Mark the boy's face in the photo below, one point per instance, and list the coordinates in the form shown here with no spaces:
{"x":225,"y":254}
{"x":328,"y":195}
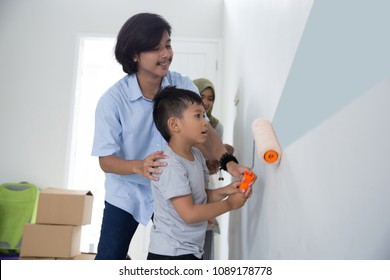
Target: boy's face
{"x":155,"y":63}
{"x":193,"y":125}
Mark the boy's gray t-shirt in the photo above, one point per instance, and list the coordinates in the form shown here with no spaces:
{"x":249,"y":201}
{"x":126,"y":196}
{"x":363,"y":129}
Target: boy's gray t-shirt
{"x":170,"y":235}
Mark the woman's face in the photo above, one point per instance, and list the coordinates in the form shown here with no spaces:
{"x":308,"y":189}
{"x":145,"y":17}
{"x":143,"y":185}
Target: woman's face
{"x":208,"y":99}
{"x":155,"y":63}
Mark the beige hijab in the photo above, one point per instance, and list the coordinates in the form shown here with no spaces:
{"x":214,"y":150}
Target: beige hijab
{"x":203,"y":84}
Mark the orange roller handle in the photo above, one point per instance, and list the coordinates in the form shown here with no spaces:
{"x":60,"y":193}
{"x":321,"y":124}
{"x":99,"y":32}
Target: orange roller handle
{"x":249,"y":176}
{"x":271,"y":156}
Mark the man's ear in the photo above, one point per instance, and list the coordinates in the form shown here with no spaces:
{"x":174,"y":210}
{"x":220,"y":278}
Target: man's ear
{"x":173,"y":124}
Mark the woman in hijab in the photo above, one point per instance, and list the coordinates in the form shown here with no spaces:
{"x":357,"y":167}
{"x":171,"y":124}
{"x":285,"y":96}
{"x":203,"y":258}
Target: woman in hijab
{"x":207,"y":91}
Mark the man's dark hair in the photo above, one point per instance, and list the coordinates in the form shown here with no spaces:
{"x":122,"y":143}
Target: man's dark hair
{"x":142,"y":32}
{"x":171,"y":102}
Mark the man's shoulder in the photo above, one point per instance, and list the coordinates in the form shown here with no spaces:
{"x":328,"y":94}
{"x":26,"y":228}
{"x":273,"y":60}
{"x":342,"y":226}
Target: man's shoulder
{"x":116,"y":89}
{"x":177,"y":76}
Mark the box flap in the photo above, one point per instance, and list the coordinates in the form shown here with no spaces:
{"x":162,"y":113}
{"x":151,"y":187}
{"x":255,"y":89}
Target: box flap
{"x":51,"y":190}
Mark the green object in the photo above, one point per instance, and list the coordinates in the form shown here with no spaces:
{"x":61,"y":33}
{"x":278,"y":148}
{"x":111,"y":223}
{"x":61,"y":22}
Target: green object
{"x":18,"y":206}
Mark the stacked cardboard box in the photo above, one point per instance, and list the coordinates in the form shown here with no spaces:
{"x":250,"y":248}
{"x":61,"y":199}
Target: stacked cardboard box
{"x":80,"y":257}
{"x":57,"y":232}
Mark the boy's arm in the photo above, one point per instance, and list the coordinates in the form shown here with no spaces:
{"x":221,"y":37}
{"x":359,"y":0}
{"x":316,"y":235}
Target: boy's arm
{"x":218,"y":194}
{"x":195,"y":213}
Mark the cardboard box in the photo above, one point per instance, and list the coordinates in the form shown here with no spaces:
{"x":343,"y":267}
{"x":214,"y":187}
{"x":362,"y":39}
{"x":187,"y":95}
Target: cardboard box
{"x":64,"y":207}
{"x":81,"y":257}
{"x":60,"y":241}
{"x":37,"y":258}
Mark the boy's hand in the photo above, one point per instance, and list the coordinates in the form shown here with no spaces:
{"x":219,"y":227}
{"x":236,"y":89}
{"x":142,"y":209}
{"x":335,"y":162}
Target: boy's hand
{"x":238,"y":170}
{"x":232,"y":188}
{"x":236,"y":200}
{"x":235,"y":188}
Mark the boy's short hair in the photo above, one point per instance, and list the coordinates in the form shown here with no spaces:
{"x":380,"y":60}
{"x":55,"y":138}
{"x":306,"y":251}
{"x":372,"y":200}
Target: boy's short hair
{"x":171,"y":102}
{"x":142,"y":32}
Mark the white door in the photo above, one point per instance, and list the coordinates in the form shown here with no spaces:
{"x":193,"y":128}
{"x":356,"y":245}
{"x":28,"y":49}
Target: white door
{"x":199,"y":58}
{"x":97,"y":70}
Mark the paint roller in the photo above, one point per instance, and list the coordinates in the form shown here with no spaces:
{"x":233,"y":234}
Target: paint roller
{"x":265,"y":141}
{"x":267,"y":145}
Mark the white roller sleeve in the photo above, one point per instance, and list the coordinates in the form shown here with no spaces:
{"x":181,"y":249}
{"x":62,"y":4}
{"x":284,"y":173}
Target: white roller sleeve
{"x":267,"y":145}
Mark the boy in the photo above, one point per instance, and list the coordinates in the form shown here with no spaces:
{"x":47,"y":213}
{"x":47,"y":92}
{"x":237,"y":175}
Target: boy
{"x":182,"y":203}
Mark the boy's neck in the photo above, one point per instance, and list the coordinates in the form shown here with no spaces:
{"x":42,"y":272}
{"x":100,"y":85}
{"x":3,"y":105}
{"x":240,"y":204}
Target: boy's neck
{"x":182,"y":149}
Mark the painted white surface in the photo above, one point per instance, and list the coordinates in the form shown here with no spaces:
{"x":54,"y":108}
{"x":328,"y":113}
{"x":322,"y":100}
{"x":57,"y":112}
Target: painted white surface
{"x":330,"y":195}
{"x":329,"y":198}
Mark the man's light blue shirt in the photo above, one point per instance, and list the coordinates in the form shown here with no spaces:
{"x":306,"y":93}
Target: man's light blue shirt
{"x":124,"y":127}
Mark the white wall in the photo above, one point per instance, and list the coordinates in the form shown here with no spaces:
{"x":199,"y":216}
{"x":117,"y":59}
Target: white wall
{"x":320,"y":73}
{"x":38,"y":54}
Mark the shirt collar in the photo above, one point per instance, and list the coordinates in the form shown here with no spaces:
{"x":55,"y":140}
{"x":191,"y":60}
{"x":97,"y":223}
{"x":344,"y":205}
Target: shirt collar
{"x":134,"y":90}
{"x":165,"y":82}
